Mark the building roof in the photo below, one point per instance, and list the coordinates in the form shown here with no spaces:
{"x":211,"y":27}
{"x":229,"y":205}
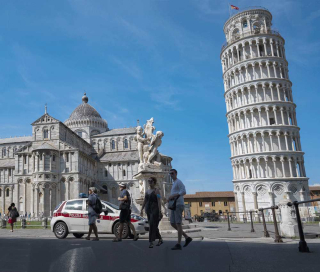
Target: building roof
{"x":85,"y":112}
{"x":16,"y":140}
{"x":7,"y":163}
{"x":210,"y":194}
{"x":314,"y":188}
{"x":120,"y":156}
{"x":117,"y":131}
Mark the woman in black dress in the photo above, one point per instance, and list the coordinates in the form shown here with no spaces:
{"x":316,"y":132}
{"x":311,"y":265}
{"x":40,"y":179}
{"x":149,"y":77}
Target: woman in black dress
{"x":152,"y":204}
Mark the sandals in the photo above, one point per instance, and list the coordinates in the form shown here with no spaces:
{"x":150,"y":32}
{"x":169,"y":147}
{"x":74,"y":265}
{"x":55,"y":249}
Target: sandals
{"x":136,"y":238}
{"x":151,"y":245}
{"x":160,"y":242}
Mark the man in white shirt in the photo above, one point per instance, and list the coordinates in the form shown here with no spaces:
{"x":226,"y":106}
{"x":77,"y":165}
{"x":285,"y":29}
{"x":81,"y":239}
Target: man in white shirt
{"x":178,"y":190}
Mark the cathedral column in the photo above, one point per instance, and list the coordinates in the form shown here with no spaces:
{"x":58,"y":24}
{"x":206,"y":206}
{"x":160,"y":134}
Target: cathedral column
{"x":50,"y":201}
{"x":237,"y":204}
{"x":243,"y":204}
{"x":271,"y":44}
{"x":255,"y":199}
{"x":32,"y":200}
{"x":36,"y":192}
{"x":3,"y":200}
{"x":25,"y":197}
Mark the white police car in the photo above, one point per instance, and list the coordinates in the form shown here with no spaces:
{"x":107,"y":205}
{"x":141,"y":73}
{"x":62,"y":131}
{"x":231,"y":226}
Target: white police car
{"x":71,"y":216}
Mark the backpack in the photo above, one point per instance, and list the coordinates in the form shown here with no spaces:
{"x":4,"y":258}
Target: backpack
{"x":98,"y":206}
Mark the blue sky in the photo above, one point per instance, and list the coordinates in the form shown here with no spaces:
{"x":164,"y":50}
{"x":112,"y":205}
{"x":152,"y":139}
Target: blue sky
{"x":149,"y":58}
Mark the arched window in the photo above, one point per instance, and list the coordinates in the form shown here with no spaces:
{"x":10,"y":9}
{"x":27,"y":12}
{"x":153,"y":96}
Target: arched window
{"x":7,"y":192}
{"x":244,"y":24}
{"x":126,"y":143}
{"x":45,"y":134}
{"x":124,"y":173}
{"x":4,"y":152}
{"x":113,"y":144}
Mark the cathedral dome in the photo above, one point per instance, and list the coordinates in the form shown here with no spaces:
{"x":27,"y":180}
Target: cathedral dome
{"x":86,"y":116}
{"x":84,"y":111}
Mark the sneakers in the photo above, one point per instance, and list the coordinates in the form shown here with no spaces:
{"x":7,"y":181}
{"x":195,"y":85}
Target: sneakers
{"x":188,"y":241}
{"x":87,"y":238}
{"x":176,"y":247}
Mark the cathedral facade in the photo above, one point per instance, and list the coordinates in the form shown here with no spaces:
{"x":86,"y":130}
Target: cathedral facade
{"x":61,"y":160}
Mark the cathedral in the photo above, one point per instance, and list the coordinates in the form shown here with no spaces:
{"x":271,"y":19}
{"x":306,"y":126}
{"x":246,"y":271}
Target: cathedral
{"x":61,"y":160}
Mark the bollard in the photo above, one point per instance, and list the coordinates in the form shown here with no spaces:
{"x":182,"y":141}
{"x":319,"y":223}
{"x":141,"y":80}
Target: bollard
{"x":303,"y":247}
{"x":266,"y":233}
{"x":44,"y":222}
{"x":252,"y":229}
{"x":3,"y":224}
{"x":276,"y":231}
{"x":23,"y":223}
{"x":229,"y":229}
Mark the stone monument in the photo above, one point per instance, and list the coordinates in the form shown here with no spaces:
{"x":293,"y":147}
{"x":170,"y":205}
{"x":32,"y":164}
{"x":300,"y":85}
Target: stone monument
{"x":150,"y":164}
{"x":288,"y":224}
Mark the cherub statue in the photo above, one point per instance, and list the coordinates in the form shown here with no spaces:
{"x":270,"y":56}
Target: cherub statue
{"x":149,"y":129}
{"x":154,"y":145}
{"x":141,"y":142}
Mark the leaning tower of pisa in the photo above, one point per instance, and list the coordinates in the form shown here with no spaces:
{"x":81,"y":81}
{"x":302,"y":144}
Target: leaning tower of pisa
{"x":266,"y":155}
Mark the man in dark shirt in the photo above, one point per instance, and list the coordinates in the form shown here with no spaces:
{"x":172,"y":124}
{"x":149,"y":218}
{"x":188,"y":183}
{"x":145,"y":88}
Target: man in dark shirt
{"x":125,"y":213}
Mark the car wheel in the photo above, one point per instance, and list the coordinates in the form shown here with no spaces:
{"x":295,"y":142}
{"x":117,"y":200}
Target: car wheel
{"x":60,"y":230}
{"x":125,"y":231}
{"x":78,"y":235}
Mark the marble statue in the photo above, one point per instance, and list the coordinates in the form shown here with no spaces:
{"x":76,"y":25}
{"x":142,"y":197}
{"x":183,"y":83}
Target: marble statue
{"x":155,"y":143}
{"x":148,"y":145}
{"x":141,"y":141}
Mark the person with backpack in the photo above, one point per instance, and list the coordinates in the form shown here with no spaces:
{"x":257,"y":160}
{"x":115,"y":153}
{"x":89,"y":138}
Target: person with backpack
{"x":93,"y":212}
{"x":125,"y":213}
{"x":12,"y":214}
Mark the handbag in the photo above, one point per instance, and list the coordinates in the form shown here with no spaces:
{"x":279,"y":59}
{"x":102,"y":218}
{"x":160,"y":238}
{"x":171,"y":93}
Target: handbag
{"x":173,"y":204}
{"x":124,"y":206}
{"x":9,"y":220}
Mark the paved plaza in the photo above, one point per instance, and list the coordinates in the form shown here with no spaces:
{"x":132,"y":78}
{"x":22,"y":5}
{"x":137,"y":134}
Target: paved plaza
{"x":213,"y":249}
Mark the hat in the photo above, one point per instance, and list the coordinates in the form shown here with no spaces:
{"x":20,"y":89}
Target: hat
{"x":122,"y":185}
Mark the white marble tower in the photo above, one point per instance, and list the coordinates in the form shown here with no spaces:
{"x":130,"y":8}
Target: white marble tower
{"x":266,"y":155}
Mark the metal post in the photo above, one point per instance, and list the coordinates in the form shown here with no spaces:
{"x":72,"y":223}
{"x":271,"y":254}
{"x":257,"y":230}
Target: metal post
{"x":265,"y":232}
{"x":252,"y":229}
{"x":276,"y":231}
{"x":303,"y":247}
{"x":229,"y":229}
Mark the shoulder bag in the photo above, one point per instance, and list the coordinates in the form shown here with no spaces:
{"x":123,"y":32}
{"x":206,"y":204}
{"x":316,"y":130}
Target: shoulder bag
{"x":173,"y":204}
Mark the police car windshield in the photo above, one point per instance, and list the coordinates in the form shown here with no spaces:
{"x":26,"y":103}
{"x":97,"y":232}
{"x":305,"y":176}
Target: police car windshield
{"x":112,"y":205}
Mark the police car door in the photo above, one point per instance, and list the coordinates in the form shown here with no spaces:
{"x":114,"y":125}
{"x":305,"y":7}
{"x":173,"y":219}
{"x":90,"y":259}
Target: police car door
{"x":74,"y":213}
{"x":105,"y":224}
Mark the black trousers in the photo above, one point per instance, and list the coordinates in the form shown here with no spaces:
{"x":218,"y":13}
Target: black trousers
{"x":154,"y":233}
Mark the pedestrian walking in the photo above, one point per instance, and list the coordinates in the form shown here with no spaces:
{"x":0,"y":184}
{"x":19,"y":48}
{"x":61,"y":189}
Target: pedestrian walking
{"x":176,"y":201}
{"x":92,"y":215}
{"x":152,"y":205}
{"x":12,"y":214}
{"x":125,"y":213}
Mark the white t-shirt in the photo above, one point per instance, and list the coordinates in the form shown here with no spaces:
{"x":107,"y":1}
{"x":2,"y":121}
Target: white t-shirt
{"x":178,"y":188}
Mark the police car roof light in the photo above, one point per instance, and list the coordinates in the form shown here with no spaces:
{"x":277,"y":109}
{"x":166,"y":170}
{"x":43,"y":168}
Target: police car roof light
{"x":83,"y":195}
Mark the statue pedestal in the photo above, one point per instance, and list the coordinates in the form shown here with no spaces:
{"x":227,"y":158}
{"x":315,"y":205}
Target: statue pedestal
{"x":157,"y":172}
{"x":288,"y":224}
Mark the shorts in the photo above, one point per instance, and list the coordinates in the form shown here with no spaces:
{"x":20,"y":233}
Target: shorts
{"x":92,"y":219}
{"x":125,"y":216}
{"x":176,"y":215}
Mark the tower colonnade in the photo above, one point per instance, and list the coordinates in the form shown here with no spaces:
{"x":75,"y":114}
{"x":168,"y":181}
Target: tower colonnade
{"x":266,"y":153}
